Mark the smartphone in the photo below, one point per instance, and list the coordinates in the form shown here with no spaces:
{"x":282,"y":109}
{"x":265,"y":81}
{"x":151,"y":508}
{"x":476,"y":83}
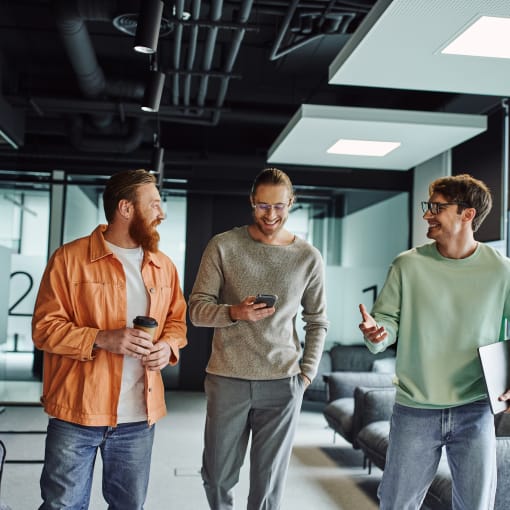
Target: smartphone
{"x":268,"y":299}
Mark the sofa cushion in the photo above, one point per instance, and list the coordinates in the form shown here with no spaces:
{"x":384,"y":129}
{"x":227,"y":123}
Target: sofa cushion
{"x":343,"y":384}
{"x":373,"y":441}
{"x":371,"y":404}
{"x":318,"y":389}
{"x":384,"y":366}
{"x":502,"y":424}
{"x":338,"y":414}
{"x":355,"y":358}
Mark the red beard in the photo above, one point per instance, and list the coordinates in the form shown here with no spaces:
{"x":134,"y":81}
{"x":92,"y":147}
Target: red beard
{"x":145,"y":234}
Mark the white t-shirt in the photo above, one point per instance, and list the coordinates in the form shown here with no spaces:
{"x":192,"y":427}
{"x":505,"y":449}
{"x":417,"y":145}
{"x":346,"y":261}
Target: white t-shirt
{"x":131,"y":407}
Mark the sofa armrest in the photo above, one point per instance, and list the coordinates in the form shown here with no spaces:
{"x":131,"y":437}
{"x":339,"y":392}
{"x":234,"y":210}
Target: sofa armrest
{"x":371,"y":405}
{"x":502,"y":424}
{"x":343,"y":384}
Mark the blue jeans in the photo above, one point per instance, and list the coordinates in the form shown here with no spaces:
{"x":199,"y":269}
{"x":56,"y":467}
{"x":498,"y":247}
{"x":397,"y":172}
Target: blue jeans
{"x":417,"y":437}
{"x":69,"y":460}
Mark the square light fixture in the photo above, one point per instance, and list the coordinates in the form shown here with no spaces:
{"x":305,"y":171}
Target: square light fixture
{"x":398,"y":45}
{"x":362,"y":147}
{"x":402,"y":138}
{"x":488,"y":36}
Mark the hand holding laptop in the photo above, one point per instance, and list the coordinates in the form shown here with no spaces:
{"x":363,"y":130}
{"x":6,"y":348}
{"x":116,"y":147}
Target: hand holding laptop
{"x":505,"y":397}
{"x":495,"y":363}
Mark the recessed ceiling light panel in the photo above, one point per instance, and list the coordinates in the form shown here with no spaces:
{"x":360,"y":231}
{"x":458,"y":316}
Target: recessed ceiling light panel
{"x":362,"y":147}
{"x":399,"y":44}
{"x":488,"y":36}
{"x":350,"y":137}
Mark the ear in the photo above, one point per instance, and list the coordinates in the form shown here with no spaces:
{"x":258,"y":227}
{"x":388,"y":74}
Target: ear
{"x":469,"y":214}
{"x":125,"y":208}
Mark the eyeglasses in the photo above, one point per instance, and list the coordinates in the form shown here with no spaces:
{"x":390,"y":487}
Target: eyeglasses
{"x":262,"y":207}
{"x":436,"y":207}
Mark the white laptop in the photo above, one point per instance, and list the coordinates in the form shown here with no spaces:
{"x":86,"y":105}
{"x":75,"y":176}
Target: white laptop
{"x":496,"y":372}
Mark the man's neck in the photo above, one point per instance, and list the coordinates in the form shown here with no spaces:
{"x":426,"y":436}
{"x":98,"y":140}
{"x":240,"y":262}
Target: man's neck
{"x":280,"y":238}
{"x":460,"y":249}
{"x":119,"y":237}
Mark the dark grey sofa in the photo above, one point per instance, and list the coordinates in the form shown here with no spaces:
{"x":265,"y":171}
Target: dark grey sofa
{"x":349,"y":410}
{"x":341,"y":358}
{"x":372,"y":407}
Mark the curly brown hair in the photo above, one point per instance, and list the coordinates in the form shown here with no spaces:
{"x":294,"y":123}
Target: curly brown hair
{"x":469,"y":191}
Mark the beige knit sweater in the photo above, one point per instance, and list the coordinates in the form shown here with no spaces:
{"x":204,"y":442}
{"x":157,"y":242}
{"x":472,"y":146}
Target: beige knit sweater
{"x":234,"y":266}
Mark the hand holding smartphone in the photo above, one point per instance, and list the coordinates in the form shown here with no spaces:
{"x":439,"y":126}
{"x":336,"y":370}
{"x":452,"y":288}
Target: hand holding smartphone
{"x":268,"y":299}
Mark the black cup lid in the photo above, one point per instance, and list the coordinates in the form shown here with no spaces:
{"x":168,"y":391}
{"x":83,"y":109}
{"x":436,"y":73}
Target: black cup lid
{"x":142,"y":320}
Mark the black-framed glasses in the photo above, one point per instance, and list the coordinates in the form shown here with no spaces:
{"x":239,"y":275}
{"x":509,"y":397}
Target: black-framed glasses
{"x":436,"y":207}
{"x":263,"y":207}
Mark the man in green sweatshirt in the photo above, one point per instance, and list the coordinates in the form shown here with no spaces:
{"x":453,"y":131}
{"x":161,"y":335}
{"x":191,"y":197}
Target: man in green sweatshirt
{"x":257,"y":371}
{"x":442,"y":301}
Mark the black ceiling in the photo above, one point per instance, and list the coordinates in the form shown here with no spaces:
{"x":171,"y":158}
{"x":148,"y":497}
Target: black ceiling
{"x":236,"y":71}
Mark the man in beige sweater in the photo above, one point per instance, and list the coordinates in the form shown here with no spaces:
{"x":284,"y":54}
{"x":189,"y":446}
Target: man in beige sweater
{"x":257,"y":371}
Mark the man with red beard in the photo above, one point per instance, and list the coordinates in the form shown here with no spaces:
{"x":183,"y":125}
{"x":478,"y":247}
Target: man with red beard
{"x":102,"y":384}
{"x":257,"y":372}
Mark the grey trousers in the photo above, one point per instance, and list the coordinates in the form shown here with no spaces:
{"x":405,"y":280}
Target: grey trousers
{"x":236,"y":407}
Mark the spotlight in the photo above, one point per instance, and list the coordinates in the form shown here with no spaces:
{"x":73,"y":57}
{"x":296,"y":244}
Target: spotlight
{"x":147,"y":29}
{"x":153,"y":91}
{"x":158,"y":165}
{"x":157,"y":159}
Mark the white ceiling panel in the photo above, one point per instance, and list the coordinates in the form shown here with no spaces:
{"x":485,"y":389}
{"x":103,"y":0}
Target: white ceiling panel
{"x":315,"y":128}
{"x":398,"y":45}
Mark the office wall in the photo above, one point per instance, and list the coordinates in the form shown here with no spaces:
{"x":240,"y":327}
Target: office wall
{"x":482,"y":157}
{"x":371,"y":238}
{"x":81,"y":214}
{"x":424,"y":174}
{"x":207,"y":215}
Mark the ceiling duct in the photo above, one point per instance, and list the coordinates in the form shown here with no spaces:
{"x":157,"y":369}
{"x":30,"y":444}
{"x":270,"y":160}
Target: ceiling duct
{"x":70,"y":18}
{"x":120,"y":144}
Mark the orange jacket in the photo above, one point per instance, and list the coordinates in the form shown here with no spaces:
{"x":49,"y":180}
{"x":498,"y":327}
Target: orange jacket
{"x":82,"y":291}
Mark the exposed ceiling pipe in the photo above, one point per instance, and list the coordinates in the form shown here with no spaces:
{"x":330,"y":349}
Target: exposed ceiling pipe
{"x":123,"y":145}
{"x":70,"y":17}
{"x":212,"y":34}
{"x":179,"y":12}
{"x":193,"y":38}
{"x":244,"y":14}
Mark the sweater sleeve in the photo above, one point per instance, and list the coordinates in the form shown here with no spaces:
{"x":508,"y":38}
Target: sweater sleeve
{"x":314,"y":317}
{"x":204,"y":306}
{"x":386,"y":310}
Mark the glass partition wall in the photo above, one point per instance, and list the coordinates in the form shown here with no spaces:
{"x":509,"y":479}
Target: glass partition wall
{"x":357,"y":232}
{"x":24,"y":213}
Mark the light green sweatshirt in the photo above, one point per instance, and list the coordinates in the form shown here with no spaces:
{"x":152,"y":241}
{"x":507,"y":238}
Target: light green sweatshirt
{"x":441,"y":310}
{"x":234,"y":266}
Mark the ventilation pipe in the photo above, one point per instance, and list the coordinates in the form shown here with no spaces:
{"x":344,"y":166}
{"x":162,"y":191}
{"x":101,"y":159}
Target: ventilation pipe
{"x":70,"y":16}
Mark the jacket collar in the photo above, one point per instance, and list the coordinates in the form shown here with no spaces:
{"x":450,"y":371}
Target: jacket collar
{"x":99,"y":249}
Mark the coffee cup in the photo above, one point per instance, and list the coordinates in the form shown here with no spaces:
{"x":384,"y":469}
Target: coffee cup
{"x":147,"y":324}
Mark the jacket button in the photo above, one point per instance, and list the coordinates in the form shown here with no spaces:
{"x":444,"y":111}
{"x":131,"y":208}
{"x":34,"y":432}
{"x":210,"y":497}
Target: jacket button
{"x":150,"y":389}
{"x":152,"y":290}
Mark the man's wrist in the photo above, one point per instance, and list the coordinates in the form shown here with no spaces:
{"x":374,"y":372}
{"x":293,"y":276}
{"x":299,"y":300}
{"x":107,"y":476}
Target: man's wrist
{"x":232,"y":313}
